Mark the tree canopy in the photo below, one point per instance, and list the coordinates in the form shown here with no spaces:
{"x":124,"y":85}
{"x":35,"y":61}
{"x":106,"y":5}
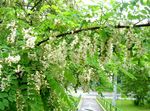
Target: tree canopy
{"x":48,"y":47}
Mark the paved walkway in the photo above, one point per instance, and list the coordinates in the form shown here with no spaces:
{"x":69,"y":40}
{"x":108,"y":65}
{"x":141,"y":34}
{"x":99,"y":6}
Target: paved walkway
{"x":89,"y":103}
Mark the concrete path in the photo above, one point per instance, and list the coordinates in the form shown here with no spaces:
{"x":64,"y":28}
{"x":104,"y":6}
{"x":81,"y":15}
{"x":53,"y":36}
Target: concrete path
{"x":88,"y":103}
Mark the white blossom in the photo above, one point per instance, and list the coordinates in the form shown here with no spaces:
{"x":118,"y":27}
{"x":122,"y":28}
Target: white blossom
{"x":56,"y":54}
{"x":12,"y":24}
{"x":31,"y":42}
{"x":12,"y":36}
{"x":75,"y":41}
{"x":18,"y":69}
{"x":21,"y":14}
{"x":12,"y":59}
{"x":13,"y":29}
{"x":102,"y":67}
{"x":4,"y":83}
{"x":26,"y":33}
{"x":1,"y":66}
{"x":56,"y":21}
{"x":32,"y":56}
{"x":110,"y":48}
{"x":37,"y":78}
{"x":30,"y":39}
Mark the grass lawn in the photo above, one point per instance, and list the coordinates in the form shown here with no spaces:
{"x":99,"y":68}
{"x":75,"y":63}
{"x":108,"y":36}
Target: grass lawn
{"x":127,"y":105}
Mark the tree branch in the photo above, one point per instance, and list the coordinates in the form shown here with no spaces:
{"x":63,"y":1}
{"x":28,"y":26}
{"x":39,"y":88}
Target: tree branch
{"x":140,"y":25}
{"x":91,"y":28}
{"x":36,"y":4}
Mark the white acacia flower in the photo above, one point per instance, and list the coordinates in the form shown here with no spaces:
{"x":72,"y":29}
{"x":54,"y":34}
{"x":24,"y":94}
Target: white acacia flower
{"x":12,"y":59}
{"x":30,"y":39}
{"x":88,"y":77}
{"x":110,"y":48}
{"x":74,"y":42}
{"x":1,"y":66}
{"x":32,"y":56}
{"x":18,"y":69}
{"x":56,"y":21}
{"x":13,"y":28}
{"x":56,"y":54}
{"x":12,"y":36}
{"x":12,"y":24}
{"x":103,"y":68}
{"x":26,"y":33}
{"x":4,"y":83}
{"x":30,"y":43}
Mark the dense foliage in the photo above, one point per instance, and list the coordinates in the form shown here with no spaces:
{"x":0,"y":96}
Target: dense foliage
{"x":139,"y":86}
{"x":48,"y":47}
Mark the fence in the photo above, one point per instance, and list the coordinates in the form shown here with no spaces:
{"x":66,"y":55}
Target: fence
{"x":107,"y":105}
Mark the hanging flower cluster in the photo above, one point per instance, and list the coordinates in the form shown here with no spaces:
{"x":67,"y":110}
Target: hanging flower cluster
{"x":37,"y":77}
{"x":81,"y":48}
{"x":4,"y":81}
{"x":12,"y":59}
{"x":56,"y":54}
{"x":13,"y":28}
{"x":86,"y":77}
{"x":3,"y":84}
{"x":87,"y":74}
{"x":30,"y":38}
{"x":74,"y":42}
{"x":1,"y":70}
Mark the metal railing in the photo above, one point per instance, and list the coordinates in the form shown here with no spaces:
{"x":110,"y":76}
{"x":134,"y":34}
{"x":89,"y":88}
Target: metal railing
{"x":107,"y":105}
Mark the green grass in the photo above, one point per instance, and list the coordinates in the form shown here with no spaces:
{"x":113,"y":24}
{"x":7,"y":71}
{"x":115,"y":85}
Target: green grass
{"x":127,"y":105}
{"x":76,"y":102}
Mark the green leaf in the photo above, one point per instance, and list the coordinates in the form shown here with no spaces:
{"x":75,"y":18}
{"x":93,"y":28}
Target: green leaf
{"x":127,"y":73}
{"x":24,"y":58}
{"x":3,"y":94}
{"x":10,"y":98}
{"x":2,"y":106}
{"x":144,"y":12}
{"x":93,"y":60}
{"x":5,"y":102}
{"x":69,"y":76}
{"x":44,"y":8}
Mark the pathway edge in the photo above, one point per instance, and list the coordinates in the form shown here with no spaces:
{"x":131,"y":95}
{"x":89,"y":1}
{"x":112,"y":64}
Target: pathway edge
{"x":100,"y":105}
{"x":79,"y":105}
